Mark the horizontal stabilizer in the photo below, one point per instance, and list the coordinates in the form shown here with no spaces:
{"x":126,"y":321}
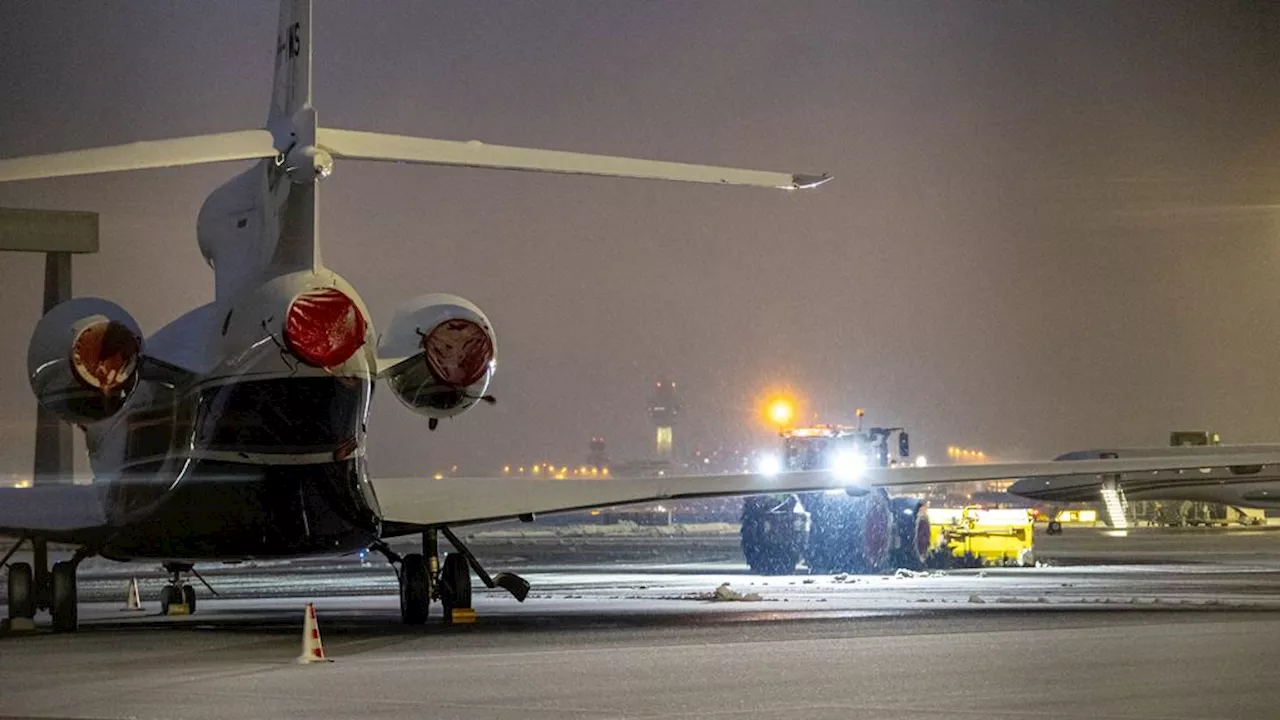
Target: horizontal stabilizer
{"x":222,"y":147}
{"x":400,"y":148}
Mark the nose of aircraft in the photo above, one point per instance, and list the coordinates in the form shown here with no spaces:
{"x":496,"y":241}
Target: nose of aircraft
{"x":1028,"y":486}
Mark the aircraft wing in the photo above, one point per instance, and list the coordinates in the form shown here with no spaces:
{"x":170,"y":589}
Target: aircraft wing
{"x":61,"y":513}
{"x":418,"y":502}
{"x":401,"y":148}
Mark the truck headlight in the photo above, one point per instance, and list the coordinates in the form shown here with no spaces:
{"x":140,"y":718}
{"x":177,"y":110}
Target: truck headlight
{"x":769,"y":466}
{"x":849,"y":466}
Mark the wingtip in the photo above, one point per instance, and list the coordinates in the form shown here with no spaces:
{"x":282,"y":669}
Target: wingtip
{"x":804,"y":182}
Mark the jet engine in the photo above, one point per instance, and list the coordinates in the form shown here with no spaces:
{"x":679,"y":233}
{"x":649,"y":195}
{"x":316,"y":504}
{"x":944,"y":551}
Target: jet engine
{"x":438,"y":355}
{"x":84,"y":359}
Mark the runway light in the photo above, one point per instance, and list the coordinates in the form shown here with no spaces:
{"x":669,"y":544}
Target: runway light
{"x":922,"y":461}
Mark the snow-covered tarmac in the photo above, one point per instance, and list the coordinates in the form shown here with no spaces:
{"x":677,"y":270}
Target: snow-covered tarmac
{"x":1140,"y":639}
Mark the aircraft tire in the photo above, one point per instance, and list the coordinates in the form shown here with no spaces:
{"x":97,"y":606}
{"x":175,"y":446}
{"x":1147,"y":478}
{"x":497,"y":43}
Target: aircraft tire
{"x":415,"y":596}
{"x":22,"y":597}
{"x":65,"y":606}
{"x":455,"y":583}
{"x":168,"y":596}
{"x":189,"y":598}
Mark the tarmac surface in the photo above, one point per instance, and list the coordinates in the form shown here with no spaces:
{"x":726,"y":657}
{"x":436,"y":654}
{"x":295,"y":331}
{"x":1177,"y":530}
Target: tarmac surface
{"x":1158,"y":624}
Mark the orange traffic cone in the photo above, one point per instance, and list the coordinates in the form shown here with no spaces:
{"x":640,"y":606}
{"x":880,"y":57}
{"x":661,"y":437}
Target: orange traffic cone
{"x":134,"y":601}
{"x":312,"y":647}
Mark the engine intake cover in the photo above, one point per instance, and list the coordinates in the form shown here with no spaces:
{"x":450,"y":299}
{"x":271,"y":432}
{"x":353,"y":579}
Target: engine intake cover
{"x":438,"y":355}
{"x":83,"y":359}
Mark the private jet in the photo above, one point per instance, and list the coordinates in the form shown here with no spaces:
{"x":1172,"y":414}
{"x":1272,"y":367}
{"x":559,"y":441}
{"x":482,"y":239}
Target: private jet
{"x":238,"y":431}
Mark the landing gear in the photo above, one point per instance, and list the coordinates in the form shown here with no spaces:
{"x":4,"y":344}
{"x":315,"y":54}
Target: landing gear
{"x":22,"y":592}
{"x":455,"y":584}
{"x":63,"y":603}
{"x":423,"y":579}
{"x":415,"y":590}
{"x":35,"y":587}
{"x":178,"y":597}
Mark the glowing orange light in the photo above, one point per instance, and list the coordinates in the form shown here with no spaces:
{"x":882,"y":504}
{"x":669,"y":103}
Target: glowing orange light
{"x":781,"y":411}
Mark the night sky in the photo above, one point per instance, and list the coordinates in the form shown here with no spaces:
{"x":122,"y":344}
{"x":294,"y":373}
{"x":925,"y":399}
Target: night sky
{"x":1052,"y":226}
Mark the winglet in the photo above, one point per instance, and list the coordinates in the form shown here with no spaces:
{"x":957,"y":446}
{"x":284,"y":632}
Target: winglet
{"x":804,"y":182}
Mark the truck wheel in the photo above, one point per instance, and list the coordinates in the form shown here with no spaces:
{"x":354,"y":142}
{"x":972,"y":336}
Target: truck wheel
{"x":850,"y":534}
{"x":828,"y":551}
{"x":773,"y":535}
{"x":872,"y":532}
{"x":911,"y":527}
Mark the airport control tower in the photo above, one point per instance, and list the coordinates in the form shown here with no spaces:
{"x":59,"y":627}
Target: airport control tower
{"x":663,"y":409}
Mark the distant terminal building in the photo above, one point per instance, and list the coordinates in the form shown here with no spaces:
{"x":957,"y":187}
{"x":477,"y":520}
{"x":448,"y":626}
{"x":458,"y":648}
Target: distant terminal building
{"x":663,"y":409}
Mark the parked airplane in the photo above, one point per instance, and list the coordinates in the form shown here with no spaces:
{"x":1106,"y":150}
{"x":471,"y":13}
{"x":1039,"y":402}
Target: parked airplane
{"x":238,"y":430}
{"x":1237,"y":485}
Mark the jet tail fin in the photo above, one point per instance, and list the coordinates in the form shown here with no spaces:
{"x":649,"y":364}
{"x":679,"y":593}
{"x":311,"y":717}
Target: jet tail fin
{"x":291,"y":90}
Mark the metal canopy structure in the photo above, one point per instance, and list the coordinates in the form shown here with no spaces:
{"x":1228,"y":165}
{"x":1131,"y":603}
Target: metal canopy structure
{"x":58,"y":234}
{"x":48,"y":231}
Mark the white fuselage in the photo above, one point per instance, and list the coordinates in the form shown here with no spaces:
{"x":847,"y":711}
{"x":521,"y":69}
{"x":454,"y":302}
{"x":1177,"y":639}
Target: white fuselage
{"x":1240,"y":486}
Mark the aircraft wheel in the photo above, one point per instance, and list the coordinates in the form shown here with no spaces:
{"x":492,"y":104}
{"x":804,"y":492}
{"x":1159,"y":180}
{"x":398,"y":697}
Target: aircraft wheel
{"x":22,"y":598}
{"x":65,"y":606}
{"x":189,"y":598}
{"x":168,"y":596}
{"x":415,"y":597}
{"x":455,"y":583}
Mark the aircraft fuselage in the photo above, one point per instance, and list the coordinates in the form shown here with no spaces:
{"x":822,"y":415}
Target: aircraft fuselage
{"x":260,"y":455}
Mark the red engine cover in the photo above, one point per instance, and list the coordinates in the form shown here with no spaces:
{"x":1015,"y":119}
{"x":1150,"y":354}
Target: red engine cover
{"x":458,"y":352}
{"x":104,"y":355}
{"x":324,"y":328}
